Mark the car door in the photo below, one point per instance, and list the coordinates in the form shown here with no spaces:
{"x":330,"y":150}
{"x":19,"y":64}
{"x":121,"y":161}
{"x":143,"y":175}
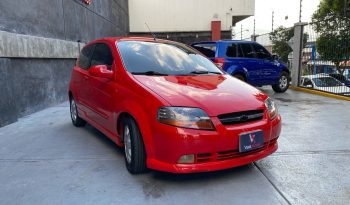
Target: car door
{"x":101,"y":89}
{"x":233,"y":55}
{"x":246,"y":58}
{"x":80,"y":78}
{"x":269,"y":71}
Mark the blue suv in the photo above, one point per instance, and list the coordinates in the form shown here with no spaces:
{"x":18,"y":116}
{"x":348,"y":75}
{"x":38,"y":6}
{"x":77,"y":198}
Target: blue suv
{"x":247,"y":61}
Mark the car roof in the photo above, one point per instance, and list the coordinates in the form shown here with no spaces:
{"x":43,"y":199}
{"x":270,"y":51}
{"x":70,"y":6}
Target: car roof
{"x":225,"y":41}
{"x":131,"y":38}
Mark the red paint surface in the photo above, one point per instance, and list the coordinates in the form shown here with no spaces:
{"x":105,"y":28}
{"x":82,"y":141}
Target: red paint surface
{"x":101,"y":101}
{"x":215,"y":30}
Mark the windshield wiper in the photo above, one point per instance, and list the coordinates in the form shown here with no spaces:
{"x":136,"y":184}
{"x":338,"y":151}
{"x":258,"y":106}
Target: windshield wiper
{"x":199,"y":72}
{"x":149,"y":73}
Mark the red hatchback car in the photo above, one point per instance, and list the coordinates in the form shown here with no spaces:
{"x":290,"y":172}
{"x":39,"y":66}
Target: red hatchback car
{"x":170,"y":107}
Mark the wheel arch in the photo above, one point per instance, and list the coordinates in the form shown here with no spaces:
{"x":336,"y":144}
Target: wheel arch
{"x":287,"y":71}
{"x":138,"y":115}
{"x":70,"y":95}
{"x":236,"y":69}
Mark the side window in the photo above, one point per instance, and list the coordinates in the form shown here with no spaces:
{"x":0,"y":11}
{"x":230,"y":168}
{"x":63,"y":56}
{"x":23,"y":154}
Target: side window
{"x":102,"y":56}
{"x":247,"y":50}
{"x":207,"y":49}
{"x":84,"y":57}
{"x":231,"y":50}
{"x":261,"y":52}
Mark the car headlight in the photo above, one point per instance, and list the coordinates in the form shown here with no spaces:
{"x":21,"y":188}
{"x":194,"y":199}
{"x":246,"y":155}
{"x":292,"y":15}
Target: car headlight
{"x":186,"y":117}
{"x":271,"y":108}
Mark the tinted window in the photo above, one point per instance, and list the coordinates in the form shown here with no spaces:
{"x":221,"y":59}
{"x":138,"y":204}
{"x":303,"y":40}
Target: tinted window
{"x":326,"y":82}
{"x":102,"y":56}
{"x":207,"y":49}
{"x":84,"y":57}
{"x":231,"y":50}
{"x":165,"y":58}
{"x":261,"y":52}
{"x":247,"y":51}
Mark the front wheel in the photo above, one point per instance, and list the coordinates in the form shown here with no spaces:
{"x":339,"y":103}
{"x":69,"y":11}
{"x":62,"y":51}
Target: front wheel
{"x":135,"y":155}
{"x":283,"y":83}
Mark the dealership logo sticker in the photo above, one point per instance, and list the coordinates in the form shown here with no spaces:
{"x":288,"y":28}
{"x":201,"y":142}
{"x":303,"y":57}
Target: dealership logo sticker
{"x":252,"y":138}
{"x":87,"y":2}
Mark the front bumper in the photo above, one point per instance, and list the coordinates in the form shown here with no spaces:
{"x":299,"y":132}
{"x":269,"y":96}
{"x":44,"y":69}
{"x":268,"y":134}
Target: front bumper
{"x":213,"y":150}
{"x":216,"y":165}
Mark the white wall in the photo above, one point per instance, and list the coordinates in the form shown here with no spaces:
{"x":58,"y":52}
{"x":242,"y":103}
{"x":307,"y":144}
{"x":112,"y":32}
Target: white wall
{"x":185,"y":15}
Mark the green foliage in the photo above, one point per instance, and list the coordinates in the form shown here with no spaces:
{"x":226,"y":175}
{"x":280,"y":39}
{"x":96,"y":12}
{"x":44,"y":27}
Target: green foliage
{"x":280,"y":38}
{"x":332,"y":21}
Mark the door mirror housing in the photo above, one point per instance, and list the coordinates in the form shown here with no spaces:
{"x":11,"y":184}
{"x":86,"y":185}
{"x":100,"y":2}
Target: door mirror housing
{"x":275,"y":57}
{"x":101,"y":71}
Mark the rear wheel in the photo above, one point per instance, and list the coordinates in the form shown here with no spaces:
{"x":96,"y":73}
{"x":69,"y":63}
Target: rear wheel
{"x":135,"y":155}
{"x":76,"y":120}
{"x":239,"y":77}
{"x":283,"y":83}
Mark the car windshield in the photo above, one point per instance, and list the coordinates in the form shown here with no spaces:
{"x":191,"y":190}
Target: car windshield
{"x":159,"y":58}
{"x":326,"y":82}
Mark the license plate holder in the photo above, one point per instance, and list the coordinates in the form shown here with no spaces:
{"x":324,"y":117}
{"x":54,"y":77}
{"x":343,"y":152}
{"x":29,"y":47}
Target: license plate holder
{"x":251,"y":141}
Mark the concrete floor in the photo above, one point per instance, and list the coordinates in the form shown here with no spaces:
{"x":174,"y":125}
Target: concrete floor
{"x":45,"y":160}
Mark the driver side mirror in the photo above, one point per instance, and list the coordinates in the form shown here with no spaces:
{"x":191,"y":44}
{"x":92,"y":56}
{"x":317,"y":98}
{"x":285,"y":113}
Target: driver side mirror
{"x":101,"y":71}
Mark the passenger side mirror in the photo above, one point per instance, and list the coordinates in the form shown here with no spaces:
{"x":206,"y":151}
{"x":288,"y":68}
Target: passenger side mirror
{"x":101,"y":71}
{"x":275,"y":57}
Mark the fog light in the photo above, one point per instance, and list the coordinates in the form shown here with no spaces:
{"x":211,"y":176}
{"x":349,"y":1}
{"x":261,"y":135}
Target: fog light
{"x":186,"y":159}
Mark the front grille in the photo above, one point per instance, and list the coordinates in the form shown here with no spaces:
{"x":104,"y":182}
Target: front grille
{"x":241,"y":117}
{"x":231,"y":154}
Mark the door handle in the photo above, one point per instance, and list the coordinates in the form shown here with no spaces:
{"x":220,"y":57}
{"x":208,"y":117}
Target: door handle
{"x":86,"y":77}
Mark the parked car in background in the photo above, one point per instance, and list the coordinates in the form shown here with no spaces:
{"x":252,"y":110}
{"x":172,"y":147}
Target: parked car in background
{"x":324,"y":82}
{"x":170,"y":107}
{"x":341,"y":78}
{"x":247,"y":61}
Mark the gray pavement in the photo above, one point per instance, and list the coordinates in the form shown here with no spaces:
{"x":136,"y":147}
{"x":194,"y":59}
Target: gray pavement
{"x":45,"y":160}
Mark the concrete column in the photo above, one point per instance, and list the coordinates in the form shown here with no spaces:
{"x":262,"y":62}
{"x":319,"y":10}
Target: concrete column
{"x":297,"y":52}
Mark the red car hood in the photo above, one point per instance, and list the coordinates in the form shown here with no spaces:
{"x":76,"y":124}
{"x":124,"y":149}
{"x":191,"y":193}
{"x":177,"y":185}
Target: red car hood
{"x":215,"y":94}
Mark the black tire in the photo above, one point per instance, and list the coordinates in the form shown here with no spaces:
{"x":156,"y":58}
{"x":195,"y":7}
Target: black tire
{"x":283,"y":83}
{"x":76,"y":120}
{"x":239,"y":77}
{"x":135,"y":154}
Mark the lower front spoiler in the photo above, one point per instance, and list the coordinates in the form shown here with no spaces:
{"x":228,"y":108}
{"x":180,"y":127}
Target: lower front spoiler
{"x":212,"y":166}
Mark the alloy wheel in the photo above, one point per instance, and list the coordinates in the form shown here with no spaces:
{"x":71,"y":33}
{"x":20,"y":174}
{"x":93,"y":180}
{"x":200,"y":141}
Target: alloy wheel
{"x":127,"y":144}
{"x":73,"y":110}
{"x":283,"y":82}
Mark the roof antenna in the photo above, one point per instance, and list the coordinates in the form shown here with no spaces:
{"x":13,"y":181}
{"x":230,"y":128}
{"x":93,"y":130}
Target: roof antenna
{"x":154,"y":36}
